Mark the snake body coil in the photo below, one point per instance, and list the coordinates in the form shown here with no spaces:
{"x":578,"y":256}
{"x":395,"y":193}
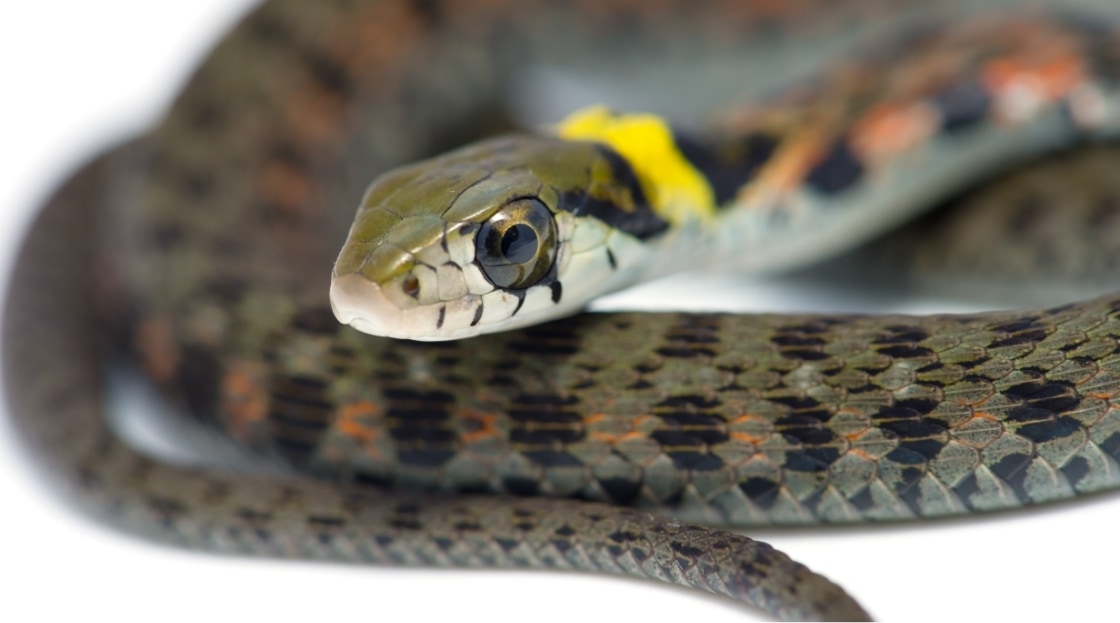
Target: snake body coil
{"x":214,"y":239}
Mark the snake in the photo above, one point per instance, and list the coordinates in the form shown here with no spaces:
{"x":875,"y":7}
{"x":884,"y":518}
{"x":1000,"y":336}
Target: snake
{"x":623,"y":443}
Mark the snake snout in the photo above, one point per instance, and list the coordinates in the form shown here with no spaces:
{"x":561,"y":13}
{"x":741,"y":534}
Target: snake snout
{"x":360,"y":303}
{"x":371,"y":308}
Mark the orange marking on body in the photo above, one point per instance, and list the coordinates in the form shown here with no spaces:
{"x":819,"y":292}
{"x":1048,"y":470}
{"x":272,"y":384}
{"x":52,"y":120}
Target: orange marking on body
{"x":380,"y":36}
{"x":284,"y":185}
{"x":749,"y":419}
{"x":615,"y":439}
{"x":1055,"y":77}
{"x":1023,"y":85}
{"x":313,"y":115}
{"x":889,"y":129}
{"x":853,"y":444}
{"x":158,"y":350}
{"x":244,"y":398}
{"x":806,"y":138}
{"x":350,"y":421}
{"x":753,"y":440}
{"x":484,"y":425}
{"x":863,"y":454}
{"x":790,"y":165}
{"x":610,"y":438}
{"x":854,"y":436}
{"x":595,"y":418}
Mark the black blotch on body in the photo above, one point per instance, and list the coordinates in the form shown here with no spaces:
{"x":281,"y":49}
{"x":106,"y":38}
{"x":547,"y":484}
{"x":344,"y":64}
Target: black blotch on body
{"x":300,"y":401}
{"x":761,"y":491}
{"x":408,"y":523}
{"x":163,"y":236}
{"x":837,"y":171}
{"x":288,"y":153}
{"x":684,"y":352}
{"x":1111,"y":445}
{"x":863,"y":501}
{"x":299,"y":411}
{"x":689,"y":426}
{"x":518,"y":485}
{"x":912,"y":468}
{"x":727,"y":165}
{"x":1075,"y":469}
{"x":328,"y":72}
{"x":686,"y":550}
{"x":324,"y":522}
{"x":799,"y":345}
{"x":560,"y":338}
{"x":692,"y":335}
{"x":199,"y":377}
{"x":924,"y":436}
{"x":197,"y":186}
{"x":962,"y":107}
{"x":805,"y":412}
{"x":542,"y":426}
{"x":226,"y":289}
{"x":905,"y":351}
{"x":1050,"y":429}
{"x":298,"y":407}
{"x":966,"y":488}
{"x":687,"y":436}
{"x":1027,"y":330}
{"x":420,"y":424}
{"x":906,"y":456}
{"x":902,"y":334}
{"x":430,"y":10}
{"x":622,"y":490}
{"x":812,"y":460}
{"x":1012,"y":469}
{"x":1042,"y":400}
{"x":169,"y":511}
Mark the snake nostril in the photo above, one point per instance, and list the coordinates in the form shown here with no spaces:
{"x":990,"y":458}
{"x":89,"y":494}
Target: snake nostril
{"x":411,"y":286}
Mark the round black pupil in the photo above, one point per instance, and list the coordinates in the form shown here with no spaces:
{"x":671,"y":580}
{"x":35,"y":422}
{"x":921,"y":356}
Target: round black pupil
{"x":519,"y":244}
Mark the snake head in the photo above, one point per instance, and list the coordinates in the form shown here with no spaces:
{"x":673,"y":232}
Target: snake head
{"x":498,"y":235}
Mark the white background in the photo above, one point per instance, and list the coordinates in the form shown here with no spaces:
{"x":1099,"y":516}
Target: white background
{"x":74,"y":75}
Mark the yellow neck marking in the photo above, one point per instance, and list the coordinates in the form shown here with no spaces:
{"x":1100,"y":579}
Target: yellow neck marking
{"x":676,"y":190}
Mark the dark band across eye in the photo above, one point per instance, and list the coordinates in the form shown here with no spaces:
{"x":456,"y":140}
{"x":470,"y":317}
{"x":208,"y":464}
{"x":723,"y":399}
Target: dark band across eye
{"x":517,"y":245}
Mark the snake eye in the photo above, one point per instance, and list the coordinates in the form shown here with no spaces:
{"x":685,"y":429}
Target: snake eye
{"x":516,"y":246}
